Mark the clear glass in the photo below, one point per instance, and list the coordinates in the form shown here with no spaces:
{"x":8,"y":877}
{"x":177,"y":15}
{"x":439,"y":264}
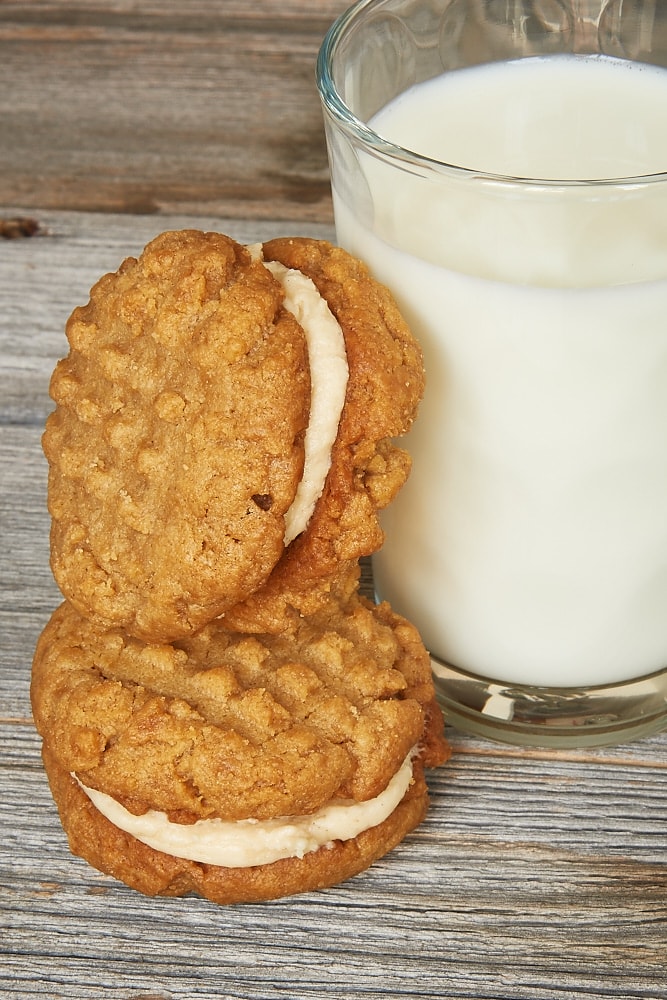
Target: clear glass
{"x":530,"y":543}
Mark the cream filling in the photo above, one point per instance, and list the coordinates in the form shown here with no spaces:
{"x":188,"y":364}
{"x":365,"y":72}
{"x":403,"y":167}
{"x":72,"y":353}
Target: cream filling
{"x":248,"y":842}
{"x":328,"y":384}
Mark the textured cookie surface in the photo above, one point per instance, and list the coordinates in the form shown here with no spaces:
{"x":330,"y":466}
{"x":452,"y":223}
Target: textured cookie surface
{"x":116,"y":853}
{"x":228,"y":726}
{"x":386,"y":383}
{"x":235,"y":727}
{"x":174,"y":448}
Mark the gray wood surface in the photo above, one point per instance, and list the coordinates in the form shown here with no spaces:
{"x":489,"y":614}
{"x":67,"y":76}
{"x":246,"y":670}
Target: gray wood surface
{"x":164,"y":106}
{"x":538,"y":875}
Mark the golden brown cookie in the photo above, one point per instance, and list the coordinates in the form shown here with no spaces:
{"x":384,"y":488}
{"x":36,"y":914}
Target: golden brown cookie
{"x":231,"y":727}
{"x":386,"y":383}
{"x":111,"y":850}
{"x":174,"y":448}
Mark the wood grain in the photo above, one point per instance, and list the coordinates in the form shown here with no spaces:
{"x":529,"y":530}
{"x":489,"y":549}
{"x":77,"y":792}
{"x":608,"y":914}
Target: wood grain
{"x":164,"y":107}
{"x":537,"y":874}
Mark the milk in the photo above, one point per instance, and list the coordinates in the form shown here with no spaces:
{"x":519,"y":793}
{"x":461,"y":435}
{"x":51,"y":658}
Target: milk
{"x":530,"y":543}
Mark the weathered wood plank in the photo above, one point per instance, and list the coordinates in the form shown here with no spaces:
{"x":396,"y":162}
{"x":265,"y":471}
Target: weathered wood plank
{"x":459,"y":910}
{"x":205,"y":107}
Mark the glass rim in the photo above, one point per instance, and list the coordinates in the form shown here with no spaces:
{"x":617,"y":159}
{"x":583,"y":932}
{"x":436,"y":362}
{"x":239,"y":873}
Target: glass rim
{"x":384,"y":149}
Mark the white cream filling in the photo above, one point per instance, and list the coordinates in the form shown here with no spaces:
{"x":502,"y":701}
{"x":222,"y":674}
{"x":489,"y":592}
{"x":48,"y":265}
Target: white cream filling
{"x":248,"y":842}
{"x":328,"y":384}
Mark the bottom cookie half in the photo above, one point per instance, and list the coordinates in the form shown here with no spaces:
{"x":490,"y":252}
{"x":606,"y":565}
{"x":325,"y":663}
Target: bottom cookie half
{"x":114,"y":852}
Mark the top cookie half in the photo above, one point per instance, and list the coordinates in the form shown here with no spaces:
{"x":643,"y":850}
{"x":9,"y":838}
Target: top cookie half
{"x":176,"y":444}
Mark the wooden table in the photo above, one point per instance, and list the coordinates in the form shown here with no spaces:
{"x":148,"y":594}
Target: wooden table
{"x":537,"y":874}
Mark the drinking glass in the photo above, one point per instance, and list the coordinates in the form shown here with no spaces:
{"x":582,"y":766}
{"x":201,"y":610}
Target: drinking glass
{"x":529,"y":545}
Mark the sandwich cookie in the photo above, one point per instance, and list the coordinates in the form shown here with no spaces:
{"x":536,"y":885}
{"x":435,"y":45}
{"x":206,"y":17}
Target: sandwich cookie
{"x":239,"y":767}
{"x":223,"y":434}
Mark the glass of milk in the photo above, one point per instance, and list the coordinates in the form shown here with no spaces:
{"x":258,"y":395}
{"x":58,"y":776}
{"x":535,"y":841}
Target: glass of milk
{"x":502,"y":167}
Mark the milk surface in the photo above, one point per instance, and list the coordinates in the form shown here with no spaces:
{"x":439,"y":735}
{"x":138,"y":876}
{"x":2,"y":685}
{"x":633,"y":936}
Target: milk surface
{"x":530,"y":543}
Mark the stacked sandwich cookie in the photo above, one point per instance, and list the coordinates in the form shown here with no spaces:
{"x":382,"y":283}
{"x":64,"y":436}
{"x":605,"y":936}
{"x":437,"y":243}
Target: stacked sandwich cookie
{"x":221,"y":711}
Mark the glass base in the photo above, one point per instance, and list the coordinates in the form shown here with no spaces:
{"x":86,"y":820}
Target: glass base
{"x":551,"y":717}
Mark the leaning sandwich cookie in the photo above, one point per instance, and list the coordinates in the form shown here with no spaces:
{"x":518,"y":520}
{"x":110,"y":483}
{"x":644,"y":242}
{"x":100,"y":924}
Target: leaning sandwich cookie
{"x":237,"y":767}
{"x":223,"y":433}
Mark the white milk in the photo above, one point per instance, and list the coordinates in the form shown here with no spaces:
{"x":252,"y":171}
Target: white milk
{"x":530,"y":543}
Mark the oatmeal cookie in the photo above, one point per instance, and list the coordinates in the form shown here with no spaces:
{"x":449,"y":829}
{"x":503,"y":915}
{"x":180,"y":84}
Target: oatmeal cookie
{"x":174,"y":448}
{"x":235,"y":729}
